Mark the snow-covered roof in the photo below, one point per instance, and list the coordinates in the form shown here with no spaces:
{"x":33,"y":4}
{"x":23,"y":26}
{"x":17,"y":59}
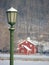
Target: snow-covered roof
{"x":29,"y":40}
{"x":12,"y":9}
{"x":32,"y":41}
{"x":20,"y":41}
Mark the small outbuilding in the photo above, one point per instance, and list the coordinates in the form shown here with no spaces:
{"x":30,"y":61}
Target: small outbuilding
{"x":27,"y":47}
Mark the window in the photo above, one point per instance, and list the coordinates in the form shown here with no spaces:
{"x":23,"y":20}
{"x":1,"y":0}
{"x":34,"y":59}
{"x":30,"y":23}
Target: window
{"x":30,"y":45}
{"x":26,"y":42}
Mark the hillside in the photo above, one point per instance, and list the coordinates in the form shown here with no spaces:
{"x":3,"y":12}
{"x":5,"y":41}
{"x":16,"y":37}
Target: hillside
{"x":32,"y":20}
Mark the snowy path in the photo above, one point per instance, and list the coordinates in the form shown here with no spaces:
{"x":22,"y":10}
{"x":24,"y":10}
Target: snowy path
{"x":6,"y":62}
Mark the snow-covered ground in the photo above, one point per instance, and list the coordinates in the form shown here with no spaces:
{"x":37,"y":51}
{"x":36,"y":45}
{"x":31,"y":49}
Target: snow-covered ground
{"x":6,"y":62}
{"x":25,"y":56}
{"x":19,"y":59}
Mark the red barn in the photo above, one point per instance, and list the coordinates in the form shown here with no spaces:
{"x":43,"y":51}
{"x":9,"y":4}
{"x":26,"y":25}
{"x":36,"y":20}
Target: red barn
{"x":26,"y":47}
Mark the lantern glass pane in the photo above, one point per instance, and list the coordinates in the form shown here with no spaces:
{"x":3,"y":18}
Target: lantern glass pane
{"x":8,"y":17}
{"x":12,"y":17}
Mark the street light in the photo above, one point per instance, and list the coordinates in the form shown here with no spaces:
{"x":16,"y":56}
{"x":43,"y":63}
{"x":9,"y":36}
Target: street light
{"x":11,"y":17}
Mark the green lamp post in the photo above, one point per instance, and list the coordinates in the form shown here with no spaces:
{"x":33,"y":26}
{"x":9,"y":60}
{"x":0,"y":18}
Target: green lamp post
{"x":11,"y":17}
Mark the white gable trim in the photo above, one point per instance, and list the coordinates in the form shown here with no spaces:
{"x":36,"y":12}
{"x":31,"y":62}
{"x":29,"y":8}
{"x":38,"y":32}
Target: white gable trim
{"x":27,"y":47}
